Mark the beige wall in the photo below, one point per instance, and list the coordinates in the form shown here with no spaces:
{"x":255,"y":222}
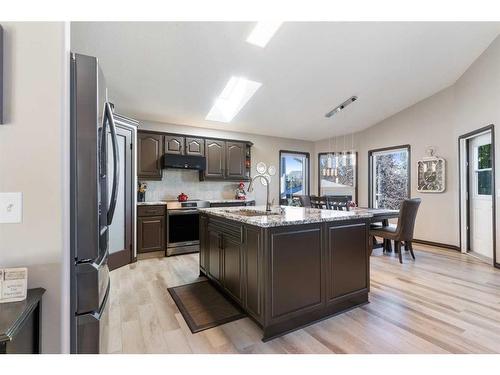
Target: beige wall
{"x":31,"y":160}
{"x":265,"y":149}
{"x":469,"y":104}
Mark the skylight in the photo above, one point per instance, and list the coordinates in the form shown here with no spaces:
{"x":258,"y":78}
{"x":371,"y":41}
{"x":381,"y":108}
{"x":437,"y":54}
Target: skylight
{"x":231,"y":100}
{"x":263,"y":32}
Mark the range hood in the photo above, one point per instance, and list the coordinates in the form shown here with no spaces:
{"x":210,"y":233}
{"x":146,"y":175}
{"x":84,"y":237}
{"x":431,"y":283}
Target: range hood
{"x":184,"y":162}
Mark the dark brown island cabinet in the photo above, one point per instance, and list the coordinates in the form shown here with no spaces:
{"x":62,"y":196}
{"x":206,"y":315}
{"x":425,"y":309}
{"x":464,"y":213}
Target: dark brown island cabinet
{"x":286,"y":277}
{"x":225,"y":159}
{"x":20,"y":324}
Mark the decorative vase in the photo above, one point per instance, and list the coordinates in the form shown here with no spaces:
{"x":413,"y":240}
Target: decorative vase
{"x":141,"y":196}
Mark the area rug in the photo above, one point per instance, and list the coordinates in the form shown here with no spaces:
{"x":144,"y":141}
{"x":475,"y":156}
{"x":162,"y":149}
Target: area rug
{"x":203,"y":306}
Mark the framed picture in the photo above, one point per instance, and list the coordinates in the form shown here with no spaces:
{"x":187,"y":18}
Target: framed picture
{"x":431,"y":175}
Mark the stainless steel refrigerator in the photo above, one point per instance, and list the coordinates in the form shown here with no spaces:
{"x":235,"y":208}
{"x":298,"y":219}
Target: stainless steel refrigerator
{"x":94,"y":186}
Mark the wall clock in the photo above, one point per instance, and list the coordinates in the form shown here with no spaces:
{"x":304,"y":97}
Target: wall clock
{"x":431,"y":172}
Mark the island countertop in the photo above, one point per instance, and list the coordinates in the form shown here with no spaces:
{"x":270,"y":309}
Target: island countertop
{"x":284,"y":215}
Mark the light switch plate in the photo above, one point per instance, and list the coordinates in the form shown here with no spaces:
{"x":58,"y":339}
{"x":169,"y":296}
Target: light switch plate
{"x":11,"y":207}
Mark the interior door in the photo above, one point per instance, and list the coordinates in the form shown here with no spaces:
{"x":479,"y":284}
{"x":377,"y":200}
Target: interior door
{"x":120,"y":230}
{"x":480,"y":195}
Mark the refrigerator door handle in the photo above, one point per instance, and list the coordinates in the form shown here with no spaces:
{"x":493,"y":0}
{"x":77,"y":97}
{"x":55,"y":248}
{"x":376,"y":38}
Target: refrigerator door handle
{"x":98,"y":314}
{"x":116,"y":162}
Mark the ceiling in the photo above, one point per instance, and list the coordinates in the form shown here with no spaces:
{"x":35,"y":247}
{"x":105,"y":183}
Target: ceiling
{"x":173,"y":71}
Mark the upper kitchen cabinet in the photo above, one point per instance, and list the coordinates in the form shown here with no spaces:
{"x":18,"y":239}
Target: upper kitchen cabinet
{"x":225,"y":159}
{"x":236,"y":160}
{"x":149,"y":156}
{"x":195,"y":146}
{"x":216,"y":158}
{"x":174,"y":144}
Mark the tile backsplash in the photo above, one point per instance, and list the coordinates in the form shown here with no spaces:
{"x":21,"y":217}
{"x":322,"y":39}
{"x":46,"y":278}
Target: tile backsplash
{"x":187,"y":181}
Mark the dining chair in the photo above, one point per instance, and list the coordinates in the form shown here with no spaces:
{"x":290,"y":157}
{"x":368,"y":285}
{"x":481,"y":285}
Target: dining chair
{"x":318,"y":202}
{"x":305,"y":200}
{"x":403,"y":231}
{"x":339,"y":203}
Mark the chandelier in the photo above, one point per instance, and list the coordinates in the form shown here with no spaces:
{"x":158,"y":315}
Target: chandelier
{"x":330,"y":170}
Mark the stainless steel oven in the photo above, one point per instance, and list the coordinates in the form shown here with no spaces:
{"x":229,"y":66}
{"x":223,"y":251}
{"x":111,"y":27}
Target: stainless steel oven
{"x":183,"y":226}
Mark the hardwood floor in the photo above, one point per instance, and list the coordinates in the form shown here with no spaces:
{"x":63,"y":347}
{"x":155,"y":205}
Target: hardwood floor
{"x":445,"y":302}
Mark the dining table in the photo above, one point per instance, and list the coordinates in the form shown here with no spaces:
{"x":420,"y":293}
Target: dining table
{"x":379,"y":215}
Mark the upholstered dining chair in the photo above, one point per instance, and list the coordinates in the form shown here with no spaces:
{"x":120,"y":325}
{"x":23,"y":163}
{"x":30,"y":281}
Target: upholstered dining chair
{"x":305,"y":201}
{"x":317,"y":202}
{"x":403,"y":231}
{"x":338,"y":203}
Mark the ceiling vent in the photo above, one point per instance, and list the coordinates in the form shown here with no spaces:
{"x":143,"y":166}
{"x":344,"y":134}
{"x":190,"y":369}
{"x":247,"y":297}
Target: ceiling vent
{"x":340,"y":107}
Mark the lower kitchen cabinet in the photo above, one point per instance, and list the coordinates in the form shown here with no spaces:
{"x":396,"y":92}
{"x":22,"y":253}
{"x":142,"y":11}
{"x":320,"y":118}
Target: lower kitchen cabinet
{"x":231,"y":266}
{"x":150,"y":234}
{"x":226,"y":260}
{"x":214,"y":255}
{"x":203,"y":241}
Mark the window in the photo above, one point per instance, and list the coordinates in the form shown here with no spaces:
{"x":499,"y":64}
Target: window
{"x":483,"y":170}
{"x":294,"y":175}
{"x":389,"y":176}
{"x":337,"y":174}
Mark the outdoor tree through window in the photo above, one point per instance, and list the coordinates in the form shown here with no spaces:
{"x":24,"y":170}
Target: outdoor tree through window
{"x":389,"y":177}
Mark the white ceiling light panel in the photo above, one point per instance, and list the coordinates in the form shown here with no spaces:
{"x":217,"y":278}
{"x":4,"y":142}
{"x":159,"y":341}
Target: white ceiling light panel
{"x":263,"y":32}
{"x":232,"y":99}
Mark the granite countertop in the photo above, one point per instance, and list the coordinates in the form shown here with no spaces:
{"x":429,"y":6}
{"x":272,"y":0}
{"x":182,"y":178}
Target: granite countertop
{"x":159,"y":203}
{"x":288,"y":216}
{"x":230,"y":200}
{"x":152,"y":203}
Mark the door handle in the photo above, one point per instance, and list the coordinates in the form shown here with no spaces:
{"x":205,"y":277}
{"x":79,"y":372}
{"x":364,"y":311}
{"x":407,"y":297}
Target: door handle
{"x":116,"y":162}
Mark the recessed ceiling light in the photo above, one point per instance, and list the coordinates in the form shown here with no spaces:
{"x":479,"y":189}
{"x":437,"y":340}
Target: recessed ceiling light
{"x":235,"y":95}
{"x":340,"y":107}
{"x":263,"y":32}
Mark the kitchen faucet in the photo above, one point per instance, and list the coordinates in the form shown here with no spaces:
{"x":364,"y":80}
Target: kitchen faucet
{"x":250,"y":189}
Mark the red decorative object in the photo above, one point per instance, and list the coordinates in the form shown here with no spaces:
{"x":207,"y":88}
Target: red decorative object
{"x":182,"y":197}
{"x":240,"y":192}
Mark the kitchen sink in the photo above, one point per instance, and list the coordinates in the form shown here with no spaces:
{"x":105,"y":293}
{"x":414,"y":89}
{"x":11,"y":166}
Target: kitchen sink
{"x":253,"y":213}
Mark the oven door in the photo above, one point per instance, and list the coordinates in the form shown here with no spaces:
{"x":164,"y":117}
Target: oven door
{"x":183,"y":228}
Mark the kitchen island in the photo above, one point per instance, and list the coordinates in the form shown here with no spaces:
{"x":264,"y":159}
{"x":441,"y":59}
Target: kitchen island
{"x":287,"y":268}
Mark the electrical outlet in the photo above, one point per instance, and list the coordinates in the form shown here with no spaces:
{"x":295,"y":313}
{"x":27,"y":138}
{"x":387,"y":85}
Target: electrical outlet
{"x":11,"y":207}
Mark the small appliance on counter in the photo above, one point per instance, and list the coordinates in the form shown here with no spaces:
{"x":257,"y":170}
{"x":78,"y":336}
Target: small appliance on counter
{"x":182,"y":197}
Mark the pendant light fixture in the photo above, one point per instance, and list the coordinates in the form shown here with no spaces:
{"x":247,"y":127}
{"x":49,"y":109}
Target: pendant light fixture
{"x":354,"y":156}
{"x":329,"y":171}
